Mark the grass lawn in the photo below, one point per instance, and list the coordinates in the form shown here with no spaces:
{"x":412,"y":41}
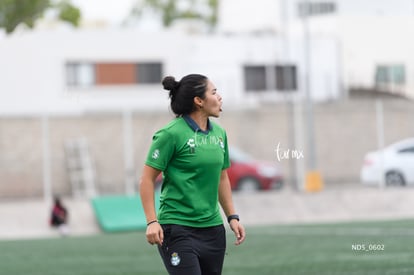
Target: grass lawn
{"x":322,"y":249}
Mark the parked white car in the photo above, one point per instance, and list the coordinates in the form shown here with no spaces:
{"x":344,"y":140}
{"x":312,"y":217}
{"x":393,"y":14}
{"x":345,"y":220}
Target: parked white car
{"x":394,"y":164}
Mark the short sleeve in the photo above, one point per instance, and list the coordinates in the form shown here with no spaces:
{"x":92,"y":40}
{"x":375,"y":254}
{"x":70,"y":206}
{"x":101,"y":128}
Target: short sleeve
{"x":226,"y":162}
{"x":161,"y":150}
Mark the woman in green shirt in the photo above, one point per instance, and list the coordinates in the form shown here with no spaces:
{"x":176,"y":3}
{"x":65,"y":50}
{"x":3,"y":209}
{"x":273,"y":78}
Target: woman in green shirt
{"x":192,"y":153}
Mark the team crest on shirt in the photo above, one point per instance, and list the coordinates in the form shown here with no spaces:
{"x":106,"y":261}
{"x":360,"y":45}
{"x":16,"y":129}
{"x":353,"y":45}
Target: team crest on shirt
{"x":175,"y":259}
{"x":191,"y":144}
{"x":156,"y":154}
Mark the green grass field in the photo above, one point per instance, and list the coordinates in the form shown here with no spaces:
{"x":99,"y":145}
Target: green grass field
{"x":323,"y":249}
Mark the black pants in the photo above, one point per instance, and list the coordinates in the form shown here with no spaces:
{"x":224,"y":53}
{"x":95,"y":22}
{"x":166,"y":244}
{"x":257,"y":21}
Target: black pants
{"x":193,"y":251}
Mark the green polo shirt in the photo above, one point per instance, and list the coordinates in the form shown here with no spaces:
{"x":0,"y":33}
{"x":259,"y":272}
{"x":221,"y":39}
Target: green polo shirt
{"x":192,"y":161}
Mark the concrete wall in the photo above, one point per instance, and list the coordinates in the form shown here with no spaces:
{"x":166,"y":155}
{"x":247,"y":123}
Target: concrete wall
{"x":344,"y":132}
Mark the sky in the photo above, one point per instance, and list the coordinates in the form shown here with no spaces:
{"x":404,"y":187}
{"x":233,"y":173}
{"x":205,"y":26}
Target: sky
{"x":113,"y":11}
{"x":234,"y":12}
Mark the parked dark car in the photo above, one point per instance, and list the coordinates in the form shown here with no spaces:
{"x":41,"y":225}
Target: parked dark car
{"x":248,"y":174}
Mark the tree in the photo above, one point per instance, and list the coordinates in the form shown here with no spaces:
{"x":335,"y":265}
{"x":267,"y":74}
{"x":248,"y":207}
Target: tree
{"x":171,"y":10}
{"x":27,"y":12}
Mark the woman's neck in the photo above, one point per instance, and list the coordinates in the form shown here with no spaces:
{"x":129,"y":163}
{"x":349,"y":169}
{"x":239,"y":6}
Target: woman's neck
{"x":200,"y":119}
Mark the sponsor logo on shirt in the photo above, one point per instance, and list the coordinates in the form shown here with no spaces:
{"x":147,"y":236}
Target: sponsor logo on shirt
{"x":200,"y":141}
{"x":156,"y":154}
{"x":221,"y":143}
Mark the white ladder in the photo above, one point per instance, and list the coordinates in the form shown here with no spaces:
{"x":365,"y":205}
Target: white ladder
{"x":80,"y":168}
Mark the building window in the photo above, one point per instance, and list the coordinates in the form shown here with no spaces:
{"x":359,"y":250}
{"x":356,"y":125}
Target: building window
{"x":286,"y":78}
{"x":315,"y":8}
{"x":148,"y":73}
{"x":83,"y":74}
{"x":390,"y":74}
{"x":255,"y":78}
{"x":270,"y":78}
{"x":80,"y":74}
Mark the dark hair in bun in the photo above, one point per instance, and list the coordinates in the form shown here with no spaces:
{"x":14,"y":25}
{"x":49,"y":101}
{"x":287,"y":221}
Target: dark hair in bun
{"x":169,"y":83}
{"x":182,"y":93}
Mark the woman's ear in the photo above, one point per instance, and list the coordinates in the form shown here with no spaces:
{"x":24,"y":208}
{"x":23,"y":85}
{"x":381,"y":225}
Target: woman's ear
{"x":198,"y":102}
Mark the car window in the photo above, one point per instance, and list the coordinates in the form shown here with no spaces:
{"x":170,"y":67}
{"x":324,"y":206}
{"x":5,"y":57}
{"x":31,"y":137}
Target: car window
{"x":406,"y":150}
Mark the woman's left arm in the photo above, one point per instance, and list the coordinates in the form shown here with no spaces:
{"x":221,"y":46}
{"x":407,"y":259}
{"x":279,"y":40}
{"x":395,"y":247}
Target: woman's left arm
{"x":226,"y":203}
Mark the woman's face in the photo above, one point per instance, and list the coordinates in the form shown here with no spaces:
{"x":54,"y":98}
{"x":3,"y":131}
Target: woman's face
{"x":212,"y":102}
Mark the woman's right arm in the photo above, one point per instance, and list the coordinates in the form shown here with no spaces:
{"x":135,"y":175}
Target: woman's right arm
{"x":154,"y":232}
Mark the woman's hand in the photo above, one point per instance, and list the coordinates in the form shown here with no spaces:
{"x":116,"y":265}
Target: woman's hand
{"x":155,"y":234}
{"x":238,"y":230}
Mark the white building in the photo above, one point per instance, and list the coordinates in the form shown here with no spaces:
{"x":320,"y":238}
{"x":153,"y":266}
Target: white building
{"x":273,"y":15}
{"x":374,"y":36}
{"x":67,"y":71}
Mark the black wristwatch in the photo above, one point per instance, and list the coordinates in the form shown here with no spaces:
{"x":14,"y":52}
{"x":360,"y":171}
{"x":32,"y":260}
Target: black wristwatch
{"x":231,"y":217}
